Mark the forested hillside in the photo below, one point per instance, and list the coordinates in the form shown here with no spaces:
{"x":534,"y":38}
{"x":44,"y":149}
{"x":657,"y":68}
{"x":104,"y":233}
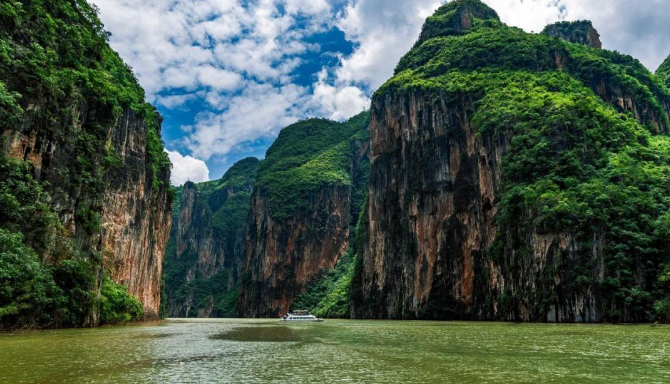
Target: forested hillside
{"x":517,"y":176}
{"x":305,"y":205}
{"x":84,"y":181}
{"x":205,"y":255}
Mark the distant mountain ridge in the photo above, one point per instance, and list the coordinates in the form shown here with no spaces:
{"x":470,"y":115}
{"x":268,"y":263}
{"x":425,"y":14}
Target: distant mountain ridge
{"x":205,"y":255}
{"x":301,"y":205}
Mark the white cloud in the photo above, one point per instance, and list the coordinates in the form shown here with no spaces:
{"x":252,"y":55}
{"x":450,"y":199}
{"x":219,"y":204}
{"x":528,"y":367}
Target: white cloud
{"x":176,"y":101}
{"x":530,"y":15}
{"x":187,"y":168}
{"x":384,"y":31}
{"x":209,"y":43}
{"x":260,"y":111}
{"x":338,"y":102}
{"x":219,"y":79}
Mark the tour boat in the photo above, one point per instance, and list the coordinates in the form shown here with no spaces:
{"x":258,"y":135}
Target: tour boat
{"x":300,"y":316}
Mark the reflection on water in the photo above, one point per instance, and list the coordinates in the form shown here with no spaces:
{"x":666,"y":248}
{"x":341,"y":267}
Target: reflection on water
{"x":266,"y":334}
{"x":256,"y":351}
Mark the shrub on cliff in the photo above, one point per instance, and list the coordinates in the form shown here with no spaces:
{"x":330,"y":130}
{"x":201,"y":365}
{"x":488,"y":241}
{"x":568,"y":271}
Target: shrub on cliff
{"x":117,"y":305}
{"x":28,"y":292}
{"x":663,"y":72}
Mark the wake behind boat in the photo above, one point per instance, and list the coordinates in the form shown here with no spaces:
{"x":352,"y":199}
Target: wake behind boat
{"x":300,"y":316}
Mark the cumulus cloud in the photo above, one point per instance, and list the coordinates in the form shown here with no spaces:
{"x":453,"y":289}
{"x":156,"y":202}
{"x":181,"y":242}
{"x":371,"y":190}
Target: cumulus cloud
{"x":187,"y":168}
{"x":260,"y":111}
{"x":236,"y":57}
{"x":338,"y":102}
{"x":188,"y":44}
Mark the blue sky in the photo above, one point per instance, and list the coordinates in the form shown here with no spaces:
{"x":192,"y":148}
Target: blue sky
{"x":227,"y":75}
{"x":328,"y":45}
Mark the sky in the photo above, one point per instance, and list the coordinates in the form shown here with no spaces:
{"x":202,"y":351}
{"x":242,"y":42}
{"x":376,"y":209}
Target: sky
{"x":228,"y":75}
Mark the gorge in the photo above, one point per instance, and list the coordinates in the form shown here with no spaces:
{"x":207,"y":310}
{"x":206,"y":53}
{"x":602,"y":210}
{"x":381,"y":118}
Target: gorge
{"x":514,"y":176}
{"x":498,"y":175}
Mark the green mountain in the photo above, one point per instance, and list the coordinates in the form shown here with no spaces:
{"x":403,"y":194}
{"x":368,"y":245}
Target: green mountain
{"x":516,"y":176}
{"x":205,"y":254}
{"x":306,"y":201}
{"x":84,"y":181}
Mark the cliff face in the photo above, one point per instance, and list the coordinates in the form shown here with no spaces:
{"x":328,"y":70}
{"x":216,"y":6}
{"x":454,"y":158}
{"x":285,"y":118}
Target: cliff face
{"x":76,"y":119}
{"x":498,"y":185}
{"x":135,"y":215}
{"x":205,"y":258}
{"x":301,"y":211}
{"x":578,"y":32}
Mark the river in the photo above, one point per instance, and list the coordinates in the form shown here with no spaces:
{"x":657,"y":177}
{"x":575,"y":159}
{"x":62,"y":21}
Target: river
{"x":338,"y":351}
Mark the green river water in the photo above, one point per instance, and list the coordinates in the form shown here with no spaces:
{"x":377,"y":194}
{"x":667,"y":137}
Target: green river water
{"x":338,"y":351}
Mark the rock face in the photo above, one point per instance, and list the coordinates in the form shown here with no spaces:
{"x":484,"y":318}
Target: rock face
{"x":578,"y":32}
{"x":474,"y":209}
{"x":135,"y":216}
{"x":301,"y":211}
{"x":77,"y":116}
{"x":206,"y":251}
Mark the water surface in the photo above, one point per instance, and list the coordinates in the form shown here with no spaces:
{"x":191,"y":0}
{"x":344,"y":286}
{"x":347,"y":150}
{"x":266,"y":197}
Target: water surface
{"x":338,"y":351}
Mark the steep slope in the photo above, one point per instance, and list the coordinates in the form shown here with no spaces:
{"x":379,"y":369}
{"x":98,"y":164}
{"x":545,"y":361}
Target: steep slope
{"x":515,"y":176}
{"x":84,"y":181}
{"x":664,"y":71}
{"x":205,"y":255}
{"x":302,"y":210}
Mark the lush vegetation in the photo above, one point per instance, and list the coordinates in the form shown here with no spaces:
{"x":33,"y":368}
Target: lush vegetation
{"x":329,"y":295}
{"x":58,"y":72}
{"x":117,"y":305}
{"x":574,"y":31}
{"x":33,"y":294}
{"x":306,"y":156}
{"x":663,"y":72}
{"x":578,"y":163}
{"x":222,"y":206}
{"x":448,"y":20}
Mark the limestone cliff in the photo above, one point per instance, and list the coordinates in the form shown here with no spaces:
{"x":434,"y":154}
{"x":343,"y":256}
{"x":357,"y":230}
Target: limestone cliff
{"x":578,"y":32}
{"x":506,"y":180}
{"x":74,"y":119}
{"x":206,"y":250}
{"x":302,"y":211}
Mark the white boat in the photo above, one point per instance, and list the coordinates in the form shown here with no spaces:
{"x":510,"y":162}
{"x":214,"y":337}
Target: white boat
{"x":300,"y":316}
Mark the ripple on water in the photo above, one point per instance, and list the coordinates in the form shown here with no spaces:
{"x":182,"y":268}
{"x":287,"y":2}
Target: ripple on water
{"x":244,"y":351}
